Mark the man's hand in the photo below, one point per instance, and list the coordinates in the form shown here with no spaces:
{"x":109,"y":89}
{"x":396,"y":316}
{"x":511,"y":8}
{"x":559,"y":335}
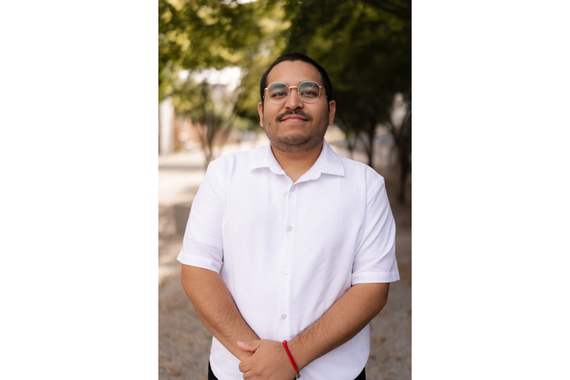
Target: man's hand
{"x":269,"y":361}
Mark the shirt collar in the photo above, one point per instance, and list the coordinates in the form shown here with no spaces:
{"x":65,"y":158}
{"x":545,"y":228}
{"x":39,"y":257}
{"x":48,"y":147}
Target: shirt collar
{"x":328,"y":162}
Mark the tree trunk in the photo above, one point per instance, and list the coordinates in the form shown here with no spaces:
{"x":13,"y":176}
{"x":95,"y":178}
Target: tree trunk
{"x":350,"y":144}
{"x":404,"y":170}
{"x":371,"y":135}
{"x":405,"y":148}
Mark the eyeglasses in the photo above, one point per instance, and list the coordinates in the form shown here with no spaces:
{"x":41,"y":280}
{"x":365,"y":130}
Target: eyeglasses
{"x":308,"y":91}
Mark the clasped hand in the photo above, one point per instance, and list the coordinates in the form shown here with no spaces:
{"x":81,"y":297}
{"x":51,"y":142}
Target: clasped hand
{"x":269,"y":361}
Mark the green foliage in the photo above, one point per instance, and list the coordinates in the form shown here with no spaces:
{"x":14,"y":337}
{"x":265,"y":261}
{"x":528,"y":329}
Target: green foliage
{"x":366,"y":51}
{"x":365,"y":46}
{"x":197,"y":34}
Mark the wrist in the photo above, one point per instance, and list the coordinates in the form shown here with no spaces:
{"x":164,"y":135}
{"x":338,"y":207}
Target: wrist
{"x":292,"y":360}
{"x":305,"y":350}
{"x":298,"y":353}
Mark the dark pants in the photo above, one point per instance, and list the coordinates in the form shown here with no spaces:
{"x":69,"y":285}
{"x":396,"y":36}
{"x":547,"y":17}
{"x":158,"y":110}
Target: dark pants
{"x":211,"y":376}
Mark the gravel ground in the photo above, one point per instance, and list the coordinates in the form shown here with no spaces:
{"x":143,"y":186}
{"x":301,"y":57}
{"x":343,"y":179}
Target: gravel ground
{"x":184,"y":342}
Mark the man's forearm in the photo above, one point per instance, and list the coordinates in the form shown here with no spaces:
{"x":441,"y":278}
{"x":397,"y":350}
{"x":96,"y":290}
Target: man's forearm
{"x":345,"y":318}
{"x":216,"y":308}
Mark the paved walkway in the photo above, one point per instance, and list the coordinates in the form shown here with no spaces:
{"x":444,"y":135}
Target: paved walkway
{"x":184,"y":342}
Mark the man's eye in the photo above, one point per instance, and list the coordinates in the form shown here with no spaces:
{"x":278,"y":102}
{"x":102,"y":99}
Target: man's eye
{"x":278,"y":94}
{"x":309,"y":94}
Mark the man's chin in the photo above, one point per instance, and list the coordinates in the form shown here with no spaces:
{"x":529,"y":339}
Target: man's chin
{"x":295,"y":143}
{"x":294,"y":140}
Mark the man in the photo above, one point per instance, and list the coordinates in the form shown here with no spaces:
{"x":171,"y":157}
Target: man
{"x":290,"y":242}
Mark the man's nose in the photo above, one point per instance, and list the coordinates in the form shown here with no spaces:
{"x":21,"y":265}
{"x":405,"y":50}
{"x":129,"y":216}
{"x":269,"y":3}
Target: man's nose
{"x":294,"y":102}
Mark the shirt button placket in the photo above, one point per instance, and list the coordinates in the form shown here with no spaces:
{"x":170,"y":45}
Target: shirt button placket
{"x":287,"y":262}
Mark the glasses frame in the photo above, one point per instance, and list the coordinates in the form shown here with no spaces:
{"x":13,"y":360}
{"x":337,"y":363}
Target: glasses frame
{"x":297,"y":87}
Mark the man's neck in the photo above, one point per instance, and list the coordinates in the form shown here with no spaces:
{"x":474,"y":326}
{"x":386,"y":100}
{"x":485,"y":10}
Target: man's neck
{"x":295,"y":164}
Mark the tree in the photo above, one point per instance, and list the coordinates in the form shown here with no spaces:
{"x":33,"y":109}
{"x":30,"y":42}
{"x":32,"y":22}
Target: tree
{"x":209,"y":107}
{"x":364,"y":44}
{"x":195,"y":35}
{"x":366,"y":48}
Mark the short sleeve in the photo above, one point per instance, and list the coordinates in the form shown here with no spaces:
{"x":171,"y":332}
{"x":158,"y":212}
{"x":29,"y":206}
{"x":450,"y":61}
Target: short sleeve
{"x":202,"y":245}
{"x":375,"y":260}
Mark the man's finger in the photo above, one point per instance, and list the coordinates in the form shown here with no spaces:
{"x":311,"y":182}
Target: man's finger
{"x":244,"y":366}
{"x":250,"y":346}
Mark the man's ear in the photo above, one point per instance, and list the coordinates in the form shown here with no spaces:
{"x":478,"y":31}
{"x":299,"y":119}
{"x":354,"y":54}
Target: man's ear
{"x":332,"y":110}
{"x":260,"y":111}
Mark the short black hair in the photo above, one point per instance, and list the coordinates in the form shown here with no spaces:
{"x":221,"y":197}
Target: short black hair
{"x":297,"y":57}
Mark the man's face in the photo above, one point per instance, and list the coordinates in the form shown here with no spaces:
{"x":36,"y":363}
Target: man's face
{"x":296,"y":126}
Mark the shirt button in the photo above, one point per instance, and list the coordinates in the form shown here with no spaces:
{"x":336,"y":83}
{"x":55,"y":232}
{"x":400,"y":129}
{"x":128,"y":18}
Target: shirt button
{"x":293,"y":188}
{"x":289,"y":228}
{"x":283,"y":316}
{"x":286,"y":271}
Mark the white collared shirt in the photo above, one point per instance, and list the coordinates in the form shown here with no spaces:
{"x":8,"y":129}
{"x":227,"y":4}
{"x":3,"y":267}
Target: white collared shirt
{"x":287,"y":251}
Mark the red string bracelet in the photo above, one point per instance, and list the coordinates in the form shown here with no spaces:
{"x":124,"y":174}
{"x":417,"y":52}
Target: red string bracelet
{"x":298,"y":375}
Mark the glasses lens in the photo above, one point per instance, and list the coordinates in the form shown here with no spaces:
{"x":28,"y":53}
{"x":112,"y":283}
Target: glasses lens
{"x":278,"y":92}
{"x":309,"y":91}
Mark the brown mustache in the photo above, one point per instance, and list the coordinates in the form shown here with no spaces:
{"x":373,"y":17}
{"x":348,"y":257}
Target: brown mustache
{"x":298,"y":113}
